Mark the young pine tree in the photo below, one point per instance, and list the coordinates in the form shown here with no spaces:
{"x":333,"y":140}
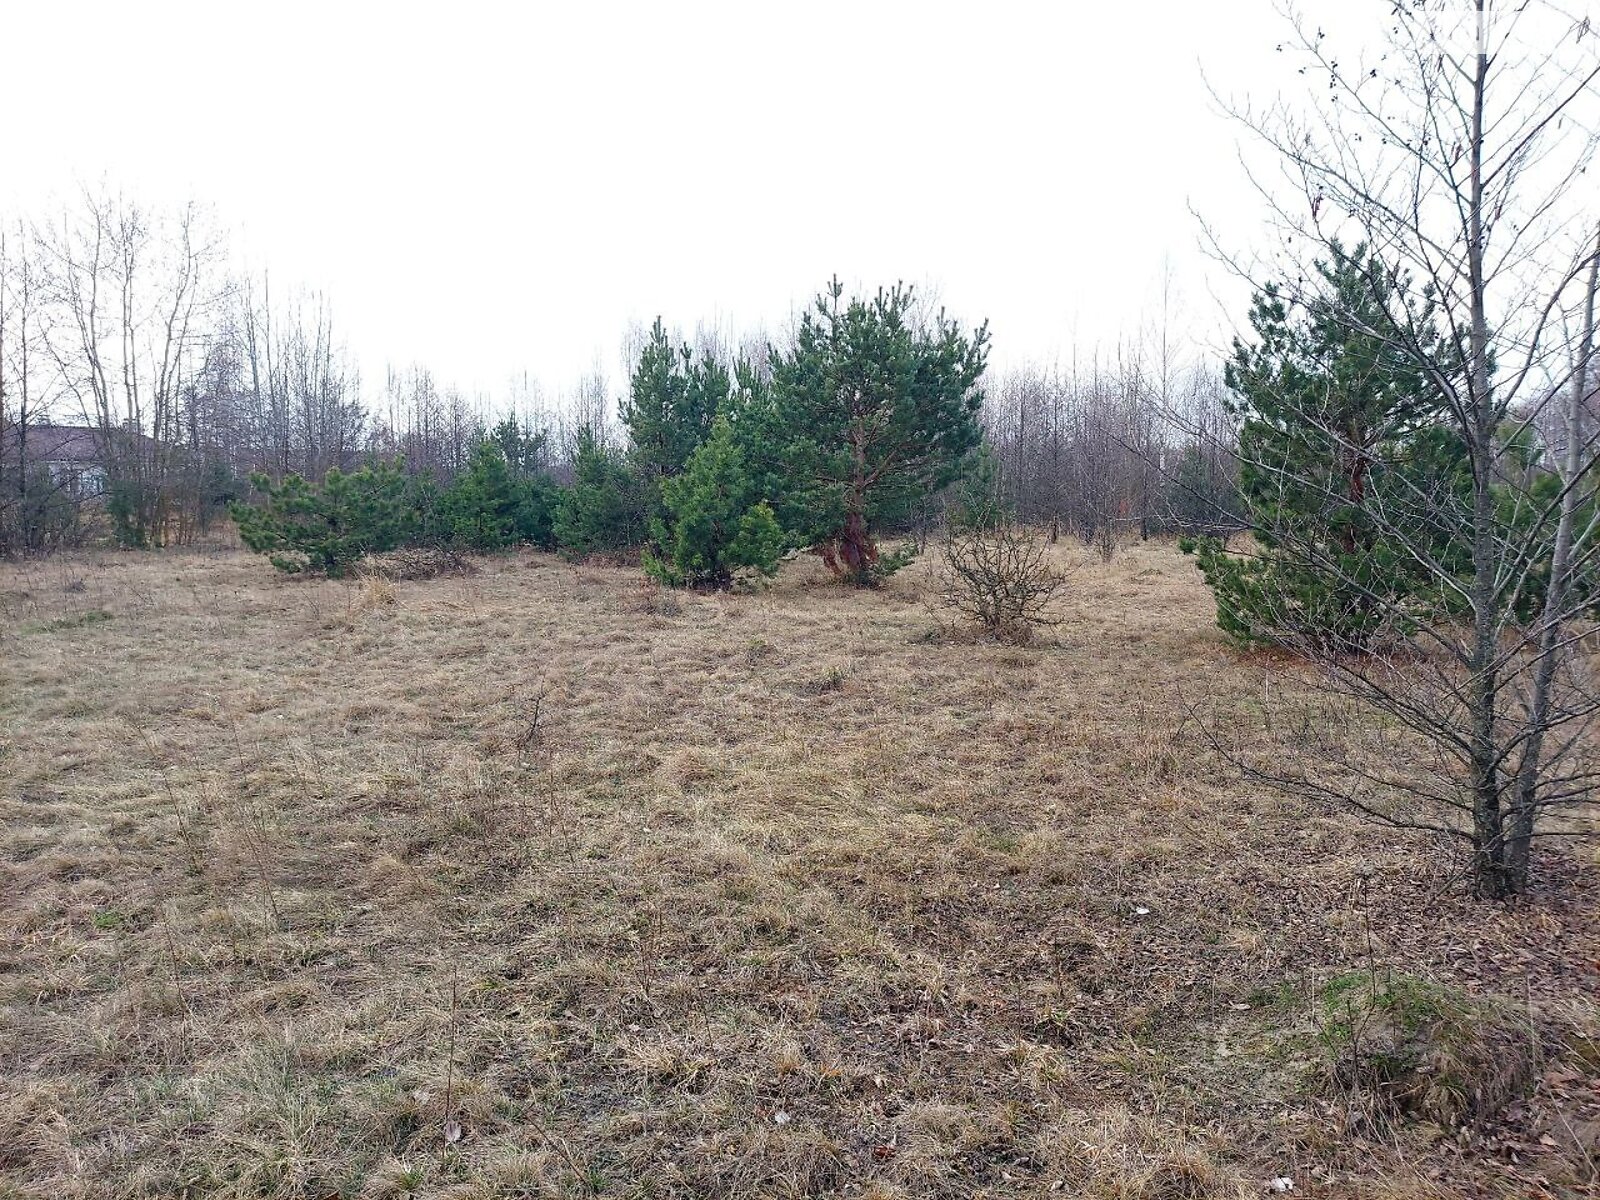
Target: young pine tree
{"x":536,"y":495}
{"x":867,"y":414}
{"x":302,"y":526}
{"x":716,"y":523}
{"x":496,"y":503}
{"x":672,"y":400}
{"x":479,"y":506}
{"x":538,"y":501}
{"x":602,"y":511}
{"x":1335,"y":418}
{"x":979,"y":502}
{"x":524,"y":448}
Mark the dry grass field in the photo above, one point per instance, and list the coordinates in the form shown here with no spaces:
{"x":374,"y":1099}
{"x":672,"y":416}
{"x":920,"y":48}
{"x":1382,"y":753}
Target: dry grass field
{"x":537,"y":882}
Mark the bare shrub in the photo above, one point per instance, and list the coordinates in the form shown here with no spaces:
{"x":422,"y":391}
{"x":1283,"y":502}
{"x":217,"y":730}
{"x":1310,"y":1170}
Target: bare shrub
{"x":1102,"y":539}
{"x":999,"y":578}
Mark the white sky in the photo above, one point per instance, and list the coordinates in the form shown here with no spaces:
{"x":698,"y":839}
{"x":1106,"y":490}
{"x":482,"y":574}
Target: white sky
{"x":487,"y":189}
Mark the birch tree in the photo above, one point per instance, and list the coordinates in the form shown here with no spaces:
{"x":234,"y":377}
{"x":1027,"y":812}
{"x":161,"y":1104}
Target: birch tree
{"x":26,"y":495}
{"x":131,"y":292}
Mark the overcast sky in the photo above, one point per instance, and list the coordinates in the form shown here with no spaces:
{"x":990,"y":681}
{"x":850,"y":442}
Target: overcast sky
{"x":488,"y":189}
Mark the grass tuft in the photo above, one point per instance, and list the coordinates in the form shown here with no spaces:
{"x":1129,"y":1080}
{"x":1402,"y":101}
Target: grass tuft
{"x":1424,"y":1049}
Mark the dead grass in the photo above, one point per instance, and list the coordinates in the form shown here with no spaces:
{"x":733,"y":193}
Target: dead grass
{"x":529,"y":882}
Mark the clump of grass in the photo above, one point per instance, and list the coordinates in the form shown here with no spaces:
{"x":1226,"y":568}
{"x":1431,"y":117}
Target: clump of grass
{"x":1120,"y":1156}
{"x":831,"y":680}
{"x":82,"y":620}
{"x":376,"y":593}
{"x":658,"y":601}
{"x":1416,"y":1048}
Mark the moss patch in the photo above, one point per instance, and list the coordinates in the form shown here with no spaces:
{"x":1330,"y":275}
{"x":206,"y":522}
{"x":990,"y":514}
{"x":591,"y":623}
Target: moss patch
{"x":1423,"y":1049}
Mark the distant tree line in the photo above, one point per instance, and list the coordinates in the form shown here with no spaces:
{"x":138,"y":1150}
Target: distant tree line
{"x":1128,"y":448}
{"x":128,"y":323}
{"x":197,"y":383}
{"x":827,"y":442}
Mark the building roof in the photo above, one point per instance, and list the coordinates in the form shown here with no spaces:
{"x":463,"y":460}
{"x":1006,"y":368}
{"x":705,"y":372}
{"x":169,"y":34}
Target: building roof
{"x":79,"y":444}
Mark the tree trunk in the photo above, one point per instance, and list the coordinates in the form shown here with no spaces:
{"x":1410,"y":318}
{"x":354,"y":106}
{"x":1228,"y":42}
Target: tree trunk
{"x":1491,"y":875}
{"x":852,"y":554}
{"x":1525,"y":802}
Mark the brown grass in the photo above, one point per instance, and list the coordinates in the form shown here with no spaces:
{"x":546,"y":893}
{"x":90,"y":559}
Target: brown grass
{"x":776,"y":896}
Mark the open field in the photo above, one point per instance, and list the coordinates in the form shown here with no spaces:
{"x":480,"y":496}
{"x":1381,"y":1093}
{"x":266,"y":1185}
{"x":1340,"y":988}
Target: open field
{"x":537,"y":882}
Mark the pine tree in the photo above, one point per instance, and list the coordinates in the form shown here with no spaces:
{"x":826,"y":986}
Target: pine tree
{"x":538,"y":500}
{"x":867,"y":414}
{"x":302,"y":526}
{"x":480,"y":506}
{"x":1335,"y":417}
{"x":716,"y":522}
{"x":672,"y":400}
{"x":978,"y":502}
{"x":602,"y":512}
{"x":524,"y":448}
{"x":494,"y":504}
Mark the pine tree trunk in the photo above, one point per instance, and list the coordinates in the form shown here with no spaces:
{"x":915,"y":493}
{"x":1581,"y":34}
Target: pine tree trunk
{"x":855,"y":553}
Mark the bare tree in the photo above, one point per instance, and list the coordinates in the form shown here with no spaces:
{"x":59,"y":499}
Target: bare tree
{"x":1455,"y":155}
{"x":1084,"y":450}
{"x":27,"y":495}
{"x":590,"y":409}
{"x":303,"y":394}
{"x":1199,"y":465}
{"x":131,"y":293}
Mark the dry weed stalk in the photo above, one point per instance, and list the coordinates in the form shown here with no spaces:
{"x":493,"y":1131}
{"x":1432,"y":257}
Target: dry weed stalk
{"x":172,"y":954}
{"x":531,"y":738}
{"x":250,"y":821}
{"x":186,"y":832}
{"x":251,"y":824}
{"x":451,"y":1130}
{"x":536,"y":760}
